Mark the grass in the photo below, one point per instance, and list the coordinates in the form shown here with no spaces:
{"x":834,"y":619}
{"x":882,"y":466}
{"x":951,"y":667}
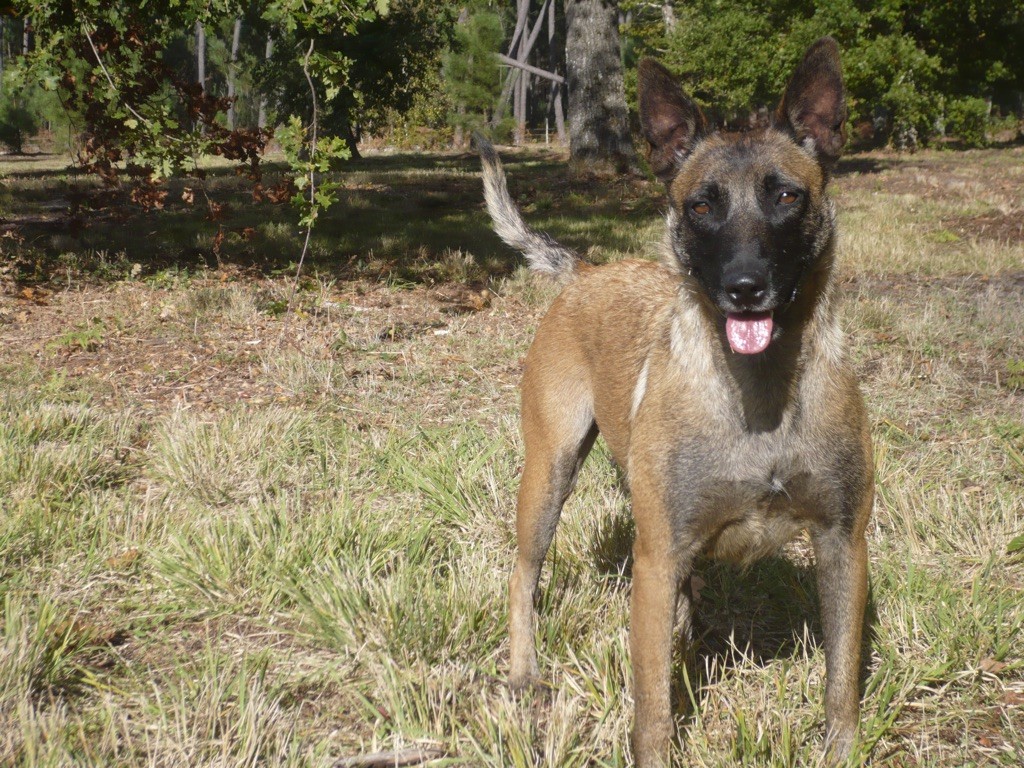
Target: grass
{"x":238,"y":531}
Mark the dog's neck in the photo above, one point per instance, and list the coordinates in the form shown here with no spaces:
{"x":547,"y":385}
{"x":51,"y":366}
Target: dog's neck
{"x":768,"y":385}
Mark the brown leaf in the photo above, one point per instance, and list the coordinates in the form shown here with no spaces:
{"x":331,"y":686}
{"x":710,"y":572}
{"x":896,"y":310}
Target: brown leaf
{"x":992,"y":666}
{"x":84,"y":633}
{"x":35,"y":295}
{"x":124,"y":560}
{"x":1013,"y":698}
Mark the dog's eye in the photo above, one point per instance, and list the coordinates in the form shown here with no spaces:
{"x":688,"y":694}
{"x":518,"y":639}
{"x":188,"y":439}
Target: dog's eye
{"x":788,"y":198}
{"x":701,"y":208}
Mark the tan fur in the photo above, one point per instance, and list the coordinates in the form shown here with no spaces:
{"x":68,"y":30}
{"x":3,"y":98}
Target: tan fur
{"x":724,"y":453}
{"x":602,"y":332}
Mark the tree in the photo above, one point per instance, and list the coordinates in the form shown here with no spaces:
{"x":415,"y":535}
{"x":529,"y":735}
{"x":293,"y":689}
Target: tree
{"x":470,"y":68}
{"x":598,"y":119}
{"x":910,"y":67}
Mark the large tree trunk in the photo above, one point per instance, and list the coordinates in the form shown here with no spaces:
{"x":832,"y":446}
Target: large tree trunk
{"x":598,"y":120}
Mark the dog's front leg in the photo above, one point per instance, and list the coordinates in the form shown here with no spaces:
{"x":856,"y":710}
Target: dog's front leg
{"x":842,"y":586}
{"x":652,"y":615}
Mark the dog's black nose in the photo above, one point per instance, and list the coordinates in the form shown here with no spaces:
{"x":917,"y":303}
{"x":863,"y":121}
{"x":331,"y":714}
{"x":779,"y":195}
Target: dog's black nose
{"x":746,"y":289}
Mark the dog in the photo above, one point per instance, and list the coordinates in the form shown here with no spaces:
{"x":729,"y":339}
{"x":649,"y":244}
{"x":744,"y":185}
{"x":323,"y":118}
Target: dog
{"x":718,"y":379}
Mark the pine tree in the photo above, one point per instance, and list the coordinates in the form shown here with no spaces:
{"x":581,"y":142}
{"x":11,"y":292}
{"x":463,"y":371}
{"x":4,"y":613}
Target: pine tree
{"x":471,"y":73}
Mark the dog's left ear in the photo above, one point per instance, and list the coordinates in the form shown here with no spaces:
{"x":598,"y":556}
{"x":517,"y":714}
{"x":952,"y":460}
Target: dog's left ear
{"x":813,"y":108}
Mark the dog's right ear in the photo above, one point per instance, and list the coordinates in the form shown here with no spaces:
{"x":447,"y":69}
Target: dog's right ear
{"x":672,"y":122}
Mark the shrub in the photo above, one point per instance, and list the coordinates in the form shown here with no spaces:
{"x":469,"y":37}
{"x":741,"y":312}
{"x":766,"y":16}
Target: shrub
{"x":17,"y":123}
{"x":967,"y":119}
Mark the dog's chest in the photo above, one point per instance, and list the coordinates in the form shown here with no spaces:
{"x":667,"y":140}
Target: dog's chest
{"x":742,"y":499}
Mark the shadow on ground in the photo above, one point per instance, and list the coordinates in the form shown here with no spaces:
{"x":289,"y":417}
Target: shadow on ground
{"x":406,"y":217}
{"x":758,"y":614}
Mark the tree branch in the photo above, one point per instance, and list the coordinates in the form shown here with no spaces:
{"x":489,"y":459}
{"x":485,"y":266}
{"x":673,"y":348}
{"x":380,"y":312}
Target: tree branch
{"x":530,"y":68}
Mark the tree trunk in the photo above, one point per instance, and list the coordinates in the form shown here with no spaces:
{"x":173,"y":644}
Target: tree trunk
{"x":556,"y":88}
{"x":525,"y":43}
{"x":235,"y":38}
{"x":521,"y":92}
{"x":459,"y":135}
{"x":668,"y":16}
{"x":261,"y":121}
{"x":598,"y":119}
{"x":201,"y":55}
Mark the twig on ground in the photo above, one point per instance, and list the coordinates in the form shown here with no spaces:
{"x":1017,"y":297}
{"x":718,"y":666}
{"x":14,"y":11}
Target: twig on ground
{"x":393,"y":759}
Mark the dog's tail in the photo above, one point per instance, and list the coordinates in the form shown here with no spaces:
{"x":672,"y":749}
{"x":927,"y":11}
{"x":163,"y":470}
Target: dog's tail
{"x":542,"y":252}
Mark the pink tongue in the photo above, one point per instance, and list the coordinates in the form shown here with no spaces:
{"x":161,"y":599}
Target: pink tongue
{"x":749,"y":334}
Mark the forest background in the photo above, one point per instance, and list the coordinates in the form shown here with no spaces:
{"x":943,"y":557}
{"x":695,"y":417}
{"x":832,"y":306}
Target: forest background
{"x":164,"y":82}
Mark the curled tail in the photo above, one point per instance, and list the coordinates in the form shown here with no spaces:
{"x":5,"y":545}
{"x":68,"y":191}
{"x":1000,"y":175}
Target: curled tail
{"x":542,"y":253}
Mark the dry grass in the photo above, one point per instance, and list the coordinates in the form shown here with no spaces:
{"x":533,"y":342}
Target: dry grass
{"x":232,"y":534}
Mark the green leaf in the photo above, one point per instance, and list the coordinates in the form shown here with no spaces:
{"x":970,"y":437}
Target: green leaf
{"x":1016,"y":545}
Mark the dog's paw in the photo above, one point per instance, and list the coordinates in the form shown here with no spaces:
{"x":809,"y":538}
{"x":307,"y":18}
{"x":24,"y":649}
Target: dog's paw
{"x":524,"y":681}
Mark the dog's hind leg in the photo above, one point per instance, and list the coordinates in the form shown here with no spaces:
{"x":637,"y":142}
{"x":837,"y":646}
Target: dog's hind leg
{"x":558,"y":438}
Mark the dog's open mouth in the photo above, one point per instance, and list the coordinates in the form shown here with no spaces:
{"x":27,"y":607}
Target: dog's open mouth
{"x":748,"y":333}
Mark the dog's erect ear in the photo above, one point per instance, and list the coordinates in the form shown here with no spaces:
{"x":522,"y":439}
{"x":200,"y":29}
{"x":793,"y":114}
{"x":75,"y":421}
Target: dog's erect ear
{"x":813,"y":108}
{"x":671,"y":121}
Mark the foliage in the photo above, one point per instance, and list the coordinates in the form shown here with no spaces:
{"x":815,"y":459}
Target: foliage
{"x":902,"y":60}
{"x":364,"y":70}
{"x":967,"y":119}
{"x":472,"y":76}
{"x":119,"y":67}
{"x":426,"y":123}
{"x":891,"y":74}
{"x":17,"y":122}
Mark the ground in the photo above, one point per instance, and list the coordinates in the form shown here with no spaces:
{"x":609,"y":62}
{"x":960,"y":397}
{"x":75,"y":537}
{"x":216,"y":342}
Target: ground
{"x":249,"y":519}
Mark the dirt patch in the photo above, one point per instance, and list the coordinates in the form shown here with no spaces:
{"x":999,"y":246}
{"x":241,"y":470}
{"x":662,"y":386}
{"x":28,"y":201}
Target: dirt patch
{"x":940,"y":176}
{"x":154,"y":349}
{"x":993,"y":227}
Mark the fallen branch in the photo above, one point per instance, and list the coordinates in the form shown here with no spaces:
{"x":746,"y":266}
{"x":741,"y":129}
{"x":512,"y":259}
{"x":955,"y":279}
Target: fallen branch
{"x":530,"y":68}
{"x":396,"y":759}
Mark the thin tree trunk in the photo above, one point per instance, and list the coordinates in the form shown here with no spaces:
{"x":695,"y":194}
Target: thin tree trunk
{"x":236,"y":37}
{"x":261,"y":121}
{"x":512,"y":81}
{"x":459,"y":135}
{"x":598,"y":120}
{"x":556,"y":88}
{"x":26,"y":33}
{"x":201,"y":55}
{"x":668,"y":15}
{"x":521,"y":54}
{"x":523,"y":88}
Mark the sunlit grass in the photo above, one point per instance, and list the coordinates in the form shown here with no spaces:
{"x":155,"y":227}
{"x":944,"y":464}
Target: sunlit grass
{"x":289,"y":538}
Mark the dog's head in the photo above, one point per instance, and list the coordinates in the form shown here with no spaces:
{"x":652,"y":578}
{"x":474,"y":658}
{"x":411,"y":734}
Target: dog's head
{"x":749,"y":218}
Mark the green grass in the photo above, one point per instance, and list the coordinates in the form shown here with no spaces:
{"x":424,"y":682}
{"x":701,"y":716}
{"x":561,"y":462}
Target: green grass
{"x":237,"y":531}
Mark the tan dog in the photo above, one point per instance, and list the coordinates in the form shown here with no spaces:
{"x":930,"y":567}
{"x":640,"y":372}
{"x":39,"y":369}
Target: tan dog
{"x":718,"y":379}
